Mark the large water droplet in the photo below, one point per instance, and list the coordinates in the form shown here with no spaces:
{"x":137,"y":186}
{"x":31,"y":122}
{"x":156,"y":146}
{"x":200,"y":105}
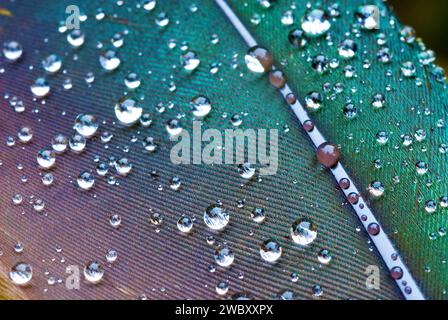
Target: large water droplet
{"x":303,"y":231}
{"x":347,"y":49}
{"x":46,"y":159}
{"x":86,"y":125}
{"x":52,"y":63}
{"x":85,"y":180}
{"x":12,"y":50}
{"x":270,"y":251}
{"x":368,"y":17}
{"x":77,"y":143}
{"x":25,"y":134}
{"x":21,"y":273}
{"x":132,"y":80}
{"x":376,"y":188}
{"x":313,"y":100}
{"x":185,"y":224}
{"x":76,"y":38}
{"x":93,"y":272}
{"x":216,"y":217}
{"x":224,"y":256}
{"x":297,"y":38}
{"x":190,"y":61}
{"x":128,"y":111}
{"x":40,"y":88}
{"x":200,"y":106}
{"x":316,"y":23}
{"x":109,"y":60}
{"x":258,"y":59}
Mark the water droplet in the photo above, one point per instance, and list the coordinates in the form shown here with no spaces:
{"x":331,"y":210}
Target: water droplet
{"x":367,"y":17}
{"x":430,"y":206}
{"x":258,"y":215}
{"x":287,"y":18}
{"x":76,"y":38}
{"x":270,"y":251}
{"x":40,"y":88}
{"x":317,"y":290}
{"x":316,"y":23}
{"x":216,"y":217}
{"x":408,"y":69}
{"x":149,"y":144}
{"x":421,"y":167}
{"x":224,"y":256}
{"x":328,"y":154}
{"x":47,"y":179}
{"x":200,"y":106}
{"x":173,"y":127}
{"x":17,"y":199}
{"x":313,"y":100}
{"x":303,"y":231}
{"x":128,"y":111}
{"x":190,"y":61}
{"x":111,"y":255}
{"x":376,"y":188}
{"x":77,"y":143}
{"x":19,"y":247}
{"x":407,"y":34}
{"x":52,"y":63}
{"x":12,"y":50}
{"x":86,"y":125}
{"x":25,"y":134}
{"x":297,"y":38}
{"x":384,"y":55}
{"x":117,"y":40}
{"x":350,"y":111}
{"x":324,"y":256}
{"x":46,"y":159}
{"x":123,"y":166}
{"x":109,"y":60}
{"x":21,"y":273}
{"x":162,"y":19}
{"x":378,"y":101}
{"x":347,"y":49}
{"x":175,"y":183}
{"x":149,"y":5}
{"x":93,"y":272}
{"x":246,"y":170}
{"x":85,"y":180}
{"x":258,"y":59}
{"x":115,"y":220}
{"x":320,"y":63}
{"x":132,"y":80}
{"x":185,"y":224}
{"x":38,"y":205}
{"x":382,"y":137}
{"x":222,"y":288}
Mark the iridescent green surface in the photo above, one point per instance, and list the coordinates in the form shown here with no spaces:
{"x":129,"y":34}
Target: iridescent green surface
{"x":171,"y":265}
{"x":409,"y":107}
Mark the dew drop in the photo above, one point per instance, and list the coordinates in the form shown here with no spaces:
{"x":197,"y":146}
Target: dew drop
{"x":128,"y":111}
{"x":216,"y":217}
{"x":12,"y":50}
{"x":316,"y":23}
{"x":21,"y":273}
{"x":93,"y":272}
{"x":270,"y":251}
{"x":303,"y":231}
{"x":46,"y":159}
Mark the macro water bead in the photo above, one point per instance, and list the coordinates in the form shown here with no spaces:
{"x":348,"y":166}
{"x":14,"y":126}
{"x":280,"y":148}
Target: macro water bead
{"x":259,"y":59}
